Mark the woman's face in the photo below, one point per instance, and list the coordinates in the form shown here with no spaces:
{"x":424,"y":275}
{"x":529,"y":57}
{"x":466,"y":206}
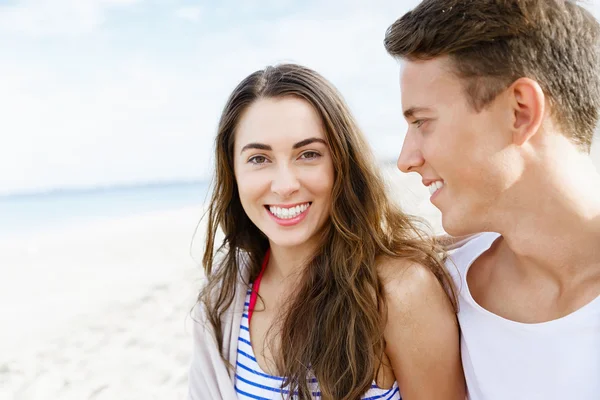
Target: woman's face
{"x":284,"y":170}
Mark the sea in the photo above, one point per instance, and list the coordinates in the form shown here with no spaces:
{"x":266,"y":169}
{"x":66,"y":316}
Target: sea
{"x":23,"y":214}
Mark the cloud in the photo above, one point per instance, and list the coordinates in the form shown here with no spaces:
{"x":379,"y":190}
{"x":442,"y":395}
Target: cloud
{"x":56,"y":17}
{"x":137,"y":123}
{"x":189,"y":13}
{"x":143,"y":117}
{"x":143,"y":104}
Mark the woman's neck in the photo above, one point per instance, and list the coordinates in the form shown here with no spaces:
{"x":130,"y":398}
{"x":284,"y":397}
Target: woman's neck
{"x":287,"y":263}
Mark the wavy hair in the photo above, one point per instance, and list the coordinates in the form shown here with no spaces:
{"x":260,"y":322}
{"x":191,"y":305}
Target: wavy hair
{"x":332,"y":327}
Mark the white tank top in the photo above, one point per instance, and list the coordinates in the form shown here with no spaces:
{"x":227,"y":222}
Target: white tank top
{"x":503,"y":359}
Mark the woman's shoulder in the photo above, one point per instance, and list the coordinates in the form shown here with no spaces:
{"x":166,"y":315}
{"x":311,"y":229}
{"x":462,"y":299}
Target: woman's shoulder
{"x":421,"y":330}
{"x":220,"y":263}
{"x":406,"y":276}
{"x":210,"y":287}
{"x":410,"y":287}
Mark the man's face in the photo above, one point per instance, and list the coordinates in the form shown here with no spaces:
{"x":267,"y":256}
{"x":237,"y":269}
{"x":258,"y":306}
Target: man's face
{"x":460,"y":153}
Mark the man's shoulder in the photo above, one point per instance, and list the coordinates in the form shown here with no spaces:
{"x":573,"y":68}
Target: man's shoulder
{"x":472,"y":248}
{"x":461,"y":258}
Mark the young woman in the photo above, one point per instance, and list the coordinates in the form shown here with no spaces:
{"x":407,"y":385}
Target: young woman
{"x":321,"y":288}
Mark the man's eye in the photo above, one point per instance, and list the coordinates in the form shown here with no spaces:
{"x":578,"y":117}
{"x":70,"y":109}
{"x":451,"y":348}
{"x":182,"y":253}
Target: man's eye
{"x":418,"y":123}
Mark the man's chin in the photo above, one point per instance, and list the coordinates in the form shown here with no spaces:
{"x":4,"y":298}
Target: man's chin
{"x":456,"y":225}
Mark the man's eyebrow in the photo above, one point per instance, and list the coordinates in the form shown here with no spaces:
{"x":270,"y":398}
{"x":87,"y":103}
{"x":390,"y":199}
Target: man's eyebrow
{"x":258,"y":146}
{"x":413,"y":110}
{"x":308,"y":141}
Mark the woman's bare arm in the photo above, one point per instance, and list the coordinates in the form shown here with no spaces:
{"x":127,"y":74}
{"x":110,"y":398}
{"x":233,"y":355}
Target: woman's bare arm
{"x":422,"y":334}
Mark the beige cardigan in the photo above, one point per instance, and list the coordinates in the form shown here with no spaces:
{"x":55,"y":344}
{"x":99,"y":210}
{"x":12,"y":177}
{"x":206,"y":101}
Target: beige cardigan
{"x":209,"y":377}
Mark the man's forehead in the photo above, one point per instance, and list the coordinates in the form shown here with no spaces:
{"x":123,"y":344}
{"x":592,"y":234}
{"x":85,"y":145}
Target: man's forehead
{"x":425,"y":72}
{"x":427,"y":81}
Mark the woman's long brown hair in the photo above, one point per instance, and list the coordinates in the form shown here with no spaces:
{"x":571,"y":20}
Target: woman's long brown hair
{"x":333,"y":325}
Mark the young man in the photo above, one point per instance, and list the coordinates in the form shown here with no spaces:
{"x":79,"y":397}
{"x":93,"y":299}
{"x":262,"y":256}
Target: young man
{"x":502,"y":98}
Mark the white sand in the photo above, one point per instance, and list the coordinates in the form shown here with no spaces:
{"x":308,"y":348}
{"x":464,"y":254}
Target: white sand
{"x":102,"y":311}
{"x":99,"y":312}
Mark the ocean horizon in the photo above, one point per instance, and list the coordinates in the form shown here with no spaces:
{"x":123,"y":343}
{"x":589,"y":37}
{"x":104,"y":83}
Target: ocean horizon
{"x":33,"y":212}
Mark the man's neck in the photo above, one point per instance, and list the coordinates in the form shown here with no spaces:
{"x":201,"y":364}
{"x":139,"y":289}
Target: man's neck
{"x":551,"y":225}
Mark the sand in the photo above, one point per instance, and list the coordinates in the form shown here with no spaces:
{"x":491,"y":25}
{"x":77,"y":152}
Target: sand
{"x":99,"y":311}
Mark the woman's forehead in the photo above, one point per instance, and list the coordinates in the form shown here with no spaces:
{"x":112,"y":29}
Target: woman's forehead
{"x":280,"y":122}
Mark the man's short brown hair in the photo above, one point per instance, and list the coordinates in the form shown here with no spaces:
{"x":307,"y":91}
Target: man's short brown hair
{"x":492,"y":43}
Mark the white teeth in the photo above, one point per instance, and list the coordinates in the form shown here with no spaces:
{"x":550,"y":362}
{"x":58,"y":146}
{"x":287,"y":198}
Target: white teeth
{"x":287,"y":213}
{"x":435,"y":186}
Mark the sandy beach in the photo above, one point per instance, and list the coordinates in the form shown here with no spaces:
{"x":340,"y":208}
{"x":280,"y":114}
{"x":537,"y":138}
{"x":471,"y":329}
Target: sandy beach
{"x":102,"y":311}
{"x":99,"y":312}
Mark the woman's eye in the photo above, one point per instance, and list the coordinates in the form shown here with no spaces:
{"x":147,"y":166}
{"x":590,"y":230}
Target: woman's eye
{"x":310,"y":155}
{"x":257,"y":160}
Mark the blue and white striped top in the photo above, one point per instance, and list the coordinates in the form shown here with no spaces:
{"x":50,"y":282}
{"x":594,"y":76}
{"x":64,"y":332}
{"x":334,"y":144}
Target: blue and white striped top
{"x":251,"y":383}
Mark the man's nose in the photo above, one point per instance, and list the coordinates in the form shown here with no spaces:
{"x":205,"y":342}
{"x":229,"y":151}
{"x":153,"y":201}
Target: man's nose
{"x":410,"y":156}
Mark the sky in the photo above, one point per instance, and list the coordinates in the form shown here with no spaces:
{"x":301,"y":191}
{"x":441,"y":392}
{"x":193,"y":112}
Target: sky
{"x":110,"y":92}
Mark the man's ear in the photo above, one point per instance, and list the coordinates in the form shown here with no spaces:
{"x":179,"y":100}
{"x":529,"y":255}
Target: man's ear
{"x":528,"y":103}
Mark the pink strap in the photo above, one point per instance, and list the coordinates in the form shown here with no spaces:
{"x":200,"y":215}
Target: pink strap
{"x":255,"y":286}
